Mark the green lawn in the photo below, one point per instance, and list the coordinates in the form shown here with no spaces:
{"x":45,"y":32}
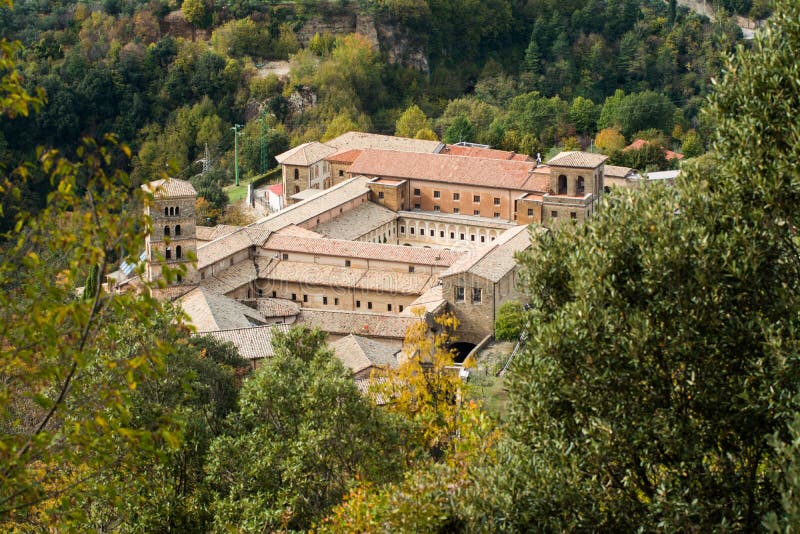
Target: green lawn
{"x":236,"y":194}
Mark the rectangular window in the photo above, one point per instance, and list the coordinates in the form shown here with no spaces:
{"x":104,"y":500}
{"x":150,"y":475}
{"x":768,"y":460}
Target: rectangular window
{"x":402,"y":229}
{"x":416,"y":192}
{"x":573,"y":215}
{"x":341,"y":172}
{"x":324,"y":300}
{"x":496,"y":215}
{"x":483,"y":239}
{"x":472,"y":237}
{"x":456,"y":210}
{"x":369,"y":305}
{"x":452,"y":235}
{"x":401,"y":308}
{"x":260,"y":293}
{"x":411,"y":268}
{"x":437,"y":194}
{"x":530,"y":212}
{"x":441,"y":233}
{"x":336,"y":301}
{"x":554,"y":214}
{"x":496,"y":201}
{"x":388,"y":307}
{"x":347,"y":263}
{"x":285,"y":256}
{"x":456,"y":196}
{"x":476,"y":198}
{"x":462,"y":237}
{"x":416,"y":206}
{"x":274,"y":294}
{"x":358,"y":304}
{"x":305,"y":298}
{"x":436,"y":208}
{"x":380,"y":194}
{"x":476,"y":294}
{"x":477,"y":213}
{"x":294,"y":296}
{"x":411,"y":230}
{"x":459,"y":294}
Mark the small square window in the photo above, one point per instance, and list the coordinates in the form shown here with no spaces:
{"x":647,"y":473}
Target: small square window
{"x":411,"y":268}
{"x":416,"y":206}
{"x":416,"y":192}
{"x":459,"y":294}
{"x":496,"y":215}
{"x":341,"y":172}
{"x":441,"y":233}
{"x":436,"y":208}
{"x":294,"y":296}
{"x":456,"y":196}
{"x":483,"y":239}
{"x":347,"y":263}
{"x":358,"y":304}
{"x":369,"y":305}
{"x":456,"y":210}
{"x":477,"y":213}
{"x":462,"y":237}
{"x":401,"y":308}
{"x":452,"y":235}
{"x":476,"y":198}
{"x":554,"y":214}
{"x":573,"y":216}
{"x":411,"y":230}
{"x":437,"y":194}
{"x":476,"y":294}
{"x":402,"y":229}
{"x":472,"y":237}
{"x":388,"y":307}
{"x":530,"y":212}
{"x":285,"y":256}
{"x":324,"y":300}
{"x":380,"y":194}
{"x":496,"y":201}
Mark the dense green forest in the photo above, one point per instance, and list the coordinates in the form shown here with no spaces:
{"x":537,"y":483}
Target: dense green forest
{"x":659,"y":389}
{"x":171,"y":78}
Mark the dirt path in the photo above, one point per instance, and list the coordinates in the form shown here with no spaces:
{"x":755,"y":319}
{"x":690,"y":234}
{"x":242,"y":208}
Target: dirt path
{"x":705,"y":7}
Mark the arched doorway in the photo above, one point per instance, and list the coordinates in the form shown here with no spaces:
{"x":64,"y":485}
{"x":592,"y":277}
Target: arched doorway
{"x":462,"y":350}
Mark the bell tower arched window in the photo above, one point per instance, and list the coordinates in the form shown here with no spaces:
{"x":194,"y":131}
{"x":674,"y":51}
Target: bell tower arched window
{"x":166,"y":212}
{"x":581,"y":186}
{"x":166,"y":231}
{"x":178,"y":252}
{"x":177,"y":211}
{"x":562,"y":185}
{"x":171,"y":212}
{"x":168,"y":253}
{"x":297,"y":174}
{"x":178,"y":229}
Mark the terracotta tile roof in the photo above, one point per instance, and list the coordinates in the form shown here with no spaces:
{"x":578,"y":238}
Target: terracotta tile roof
{"x":359,"y":353}
{"x":486,"y":172}
{"x":361,"y":323}
{"x":170,"y":187}
{"x":638,"y":144}
{"x":495,"y":261}
{"x":275,"y":188}
{"x":581,"y":160}
{"x":357,"y":222}
{"x":432,"y":301}
{"x":209,"y":311}
{"x":614,"y":171}
{"x":669,"y":154}
{"x":362,"y":140}
{"x":477,"y":152}
{"x":253,"y":343}
{"x":361,"y":249}
{"x":344,"y":156}
{"x":305,"y":154}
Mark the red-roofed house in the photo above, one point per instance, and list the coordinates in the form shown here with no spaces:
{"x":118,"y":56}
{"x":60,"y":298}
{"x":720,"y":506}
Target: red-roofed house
{"x":639,"y":144}
{"x":275,"y":197}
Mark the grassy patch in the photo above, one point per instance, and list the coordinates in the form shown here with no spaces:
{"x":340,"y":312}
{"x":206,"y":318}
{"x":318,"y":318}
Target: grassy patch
{"x":236,"y":194}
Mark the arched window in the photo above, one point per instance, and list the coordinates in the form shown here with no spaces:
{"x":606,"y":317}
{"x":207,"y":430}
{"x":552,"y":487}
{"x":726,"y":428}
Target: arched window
{"x":178,"y":229}
{"x":178,"y":252}
{"x":562,"y":185}
{"x":168,"y":254}
{"x":297,"y":189}
{"x":171,"y":212}
{"x":166,"y":231}
{"x":297,"y":174}
{"x":166,"y":211}
{"x":581,"y":186}
{"x":177,"y":211}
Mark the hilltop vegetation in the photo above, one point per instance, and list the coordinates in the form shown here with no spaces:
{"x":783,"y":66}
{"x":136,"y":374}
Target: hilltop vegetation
{"x":523,"y":76}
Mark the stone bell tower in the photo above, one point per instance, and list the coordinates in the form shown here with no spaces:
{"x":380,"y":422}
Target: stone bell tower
{"x":172,"y":241}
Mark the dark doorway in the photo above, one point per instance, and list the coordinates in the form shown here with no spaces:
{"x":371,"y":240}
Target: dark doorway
{"x":462,"y":350}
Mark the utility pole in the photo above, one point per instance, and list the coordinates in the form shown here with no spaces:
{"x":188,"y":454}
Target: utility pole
{"x":236,"y":128}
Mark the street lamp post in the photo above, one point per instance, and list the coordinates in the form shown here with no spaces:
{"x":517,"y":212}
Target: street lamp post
{"x":236,"y":128}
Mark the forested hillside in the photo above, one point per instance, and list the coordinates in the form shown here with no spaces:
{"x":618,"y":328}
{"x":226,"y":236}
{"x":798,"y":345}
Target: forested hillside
{"x":171,"y":78}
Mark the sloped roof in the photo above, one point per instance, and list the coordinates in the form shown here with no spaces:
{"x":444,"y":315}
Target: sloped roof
{"x":253,"y":343}
{"x":305,"y":154}
{"x":432,"y":301}
{"x":359,"y":353}
{"x":210,"y":233}
{"x":317,"y":274}
{"x":344,"y":156}
{"x":486,"y":172}
{"x":362,"y":249}
{"x":269,"y":307}
{"x":226,"y":245}
{"x":363,"y":140}
{"x":356,"y":222}
{"x":638,"y":144}
{"x":361,"y":323}
{"x":614,"y":171}
{"x":231,"y":278}
{"x":581,"y":160}
{"x":170,"y":187}
{"x":496,"y":260}
{"x":276,"y":189}
{"x":298,"y":231}
{"x":478,"y":152}
{"x":209,"y":311}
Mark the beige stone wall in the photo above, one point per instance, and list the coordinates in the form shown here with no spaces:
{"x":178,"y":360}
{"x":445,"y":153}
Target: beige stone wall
{"x":451,"y":235}
{"x":338,"y":172}
{"x":386,"y":233}
{"x":529,"y":211}
{"x":467,"y":200}
{"x":399,"y":265}
{"x":476,"y":319}
{"x":295,"y":179}
{"x":558,"y":211}
{"x":335,"y":298}
{"x":592,"y":180}
{"x":168,"y":215}
{"x":390,"y":196}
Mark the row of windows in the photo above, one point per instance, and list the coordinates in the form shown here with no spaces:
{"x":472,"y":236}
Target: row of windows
{"x":432,"y":232}
{"x":177,"y":230}
{"x":178,"y":253}
{"x":554,"y":214}
{"x":476,"y":294}
{"x":456,"y":196}
{"x":389,"y":307}
{"x":172,"y":211}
